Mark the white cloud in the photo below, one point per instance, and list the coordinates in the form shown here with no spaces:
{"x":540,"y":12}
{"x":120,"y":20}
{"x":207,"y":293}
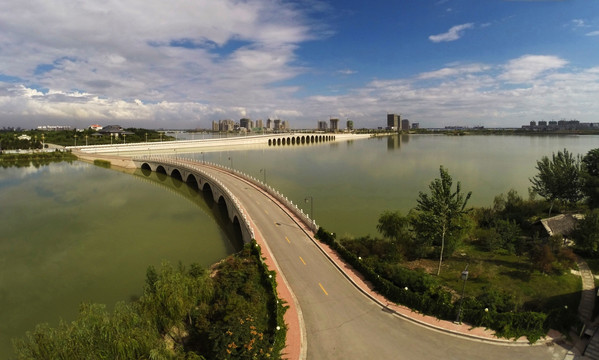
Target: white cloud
{"x":454,"y":71}
{"x":453,"y":34}
{"x":205,"y":52}
{"x":527,"y":88}
{"x":346,"y":72}
{"x":529,"y":67}
{"x":593,"y":33}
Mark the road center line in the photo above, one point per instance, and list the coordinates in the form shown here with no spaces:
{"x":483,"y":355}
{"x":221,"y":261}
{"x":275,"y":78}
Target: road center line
{"x":325,"y":292}
{"x":305,"y":264}
{"x":286,"y":238}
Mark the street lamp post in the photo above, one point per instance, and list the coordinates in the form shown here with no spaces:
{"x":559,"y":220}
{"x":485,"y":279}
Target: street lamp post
{"x":264,"y":171}
{"x":85,"y":140}
{"x":75,"y":140}
{"x":311,"y":206}
{"x":230,"y":158}
{"x":124,"y":138}
{"x":203,"y":158}
{"x":146,"y":137}
{"x":464,"y":278}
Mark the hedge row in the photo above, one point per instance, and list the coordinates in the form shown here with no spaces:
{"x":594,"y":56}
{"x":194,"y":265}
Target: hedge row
{"x":275,"y":304}
{"x":420,"y":293}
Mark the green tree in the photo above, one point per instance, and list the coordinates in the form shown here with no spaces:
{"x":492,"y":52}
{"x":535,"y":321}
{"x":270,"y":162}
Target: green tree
{"x":590,"y":177}
{"x":442,"y":209}
{"x":559,"y":178}
{"x":586,"y":235}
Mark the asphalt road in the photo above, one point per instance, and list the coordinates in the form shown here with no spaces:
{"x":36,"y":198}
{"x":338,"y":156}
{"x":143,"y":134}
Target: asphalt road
{"x":341,"y":322}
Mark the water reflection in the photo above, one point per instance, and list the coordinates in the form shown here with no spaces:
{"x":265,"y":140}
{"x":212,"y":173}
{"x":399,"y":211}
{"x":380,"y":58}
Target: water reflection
{"x":76,"y":232}
{"x":203,"y":199}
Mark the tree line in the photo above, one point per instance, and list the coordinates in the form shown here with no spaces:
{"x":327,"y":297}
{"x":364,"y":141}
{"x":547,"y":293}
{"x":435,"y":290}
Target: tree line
{"x":228,"y":312}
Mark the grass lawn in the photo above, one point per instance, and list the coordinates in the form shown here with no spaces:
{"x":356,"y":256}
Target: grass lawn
{"x":531,"y":290}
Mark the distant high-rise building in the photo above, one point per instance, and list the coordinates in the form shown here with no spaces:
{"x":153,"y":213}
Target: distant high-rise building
{"x":245,"y":123}
{"x":405,"y":124}
{"x":322,"y":126}
{"x":259,"y":123}
{"x":215,"y":125}
{"x":415,"y":126}
{"x":284,"y":125}
{"x":269,"y":124}
{"x":350,"y":125}
{"x":277,"y":124}
{"x":393,"y":121}
{"x":533,"y":123}
{"x":334,"y":124}
{"x":226,"y":125}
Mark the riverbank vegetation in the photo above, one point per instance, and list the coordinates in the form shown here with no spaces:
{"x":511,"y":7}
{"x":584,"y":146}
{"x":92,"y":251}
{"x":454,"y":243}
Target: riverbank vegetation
{"x":38,"y":139}
{"x":231,"y":311}
{"x":519,"y":278}
{"x":36,"y":159}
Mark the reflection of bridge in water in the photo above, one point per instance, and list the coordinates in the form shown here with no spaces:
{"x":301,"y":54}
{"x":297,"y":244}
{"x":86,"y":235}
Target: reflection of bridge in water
{"x":204,"y":202}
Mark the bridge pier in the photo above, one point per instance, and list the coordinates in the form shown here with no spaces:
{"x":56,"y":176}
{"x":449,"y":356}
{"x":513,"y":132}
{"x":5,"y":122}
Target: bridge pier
{"x":191,"y":175}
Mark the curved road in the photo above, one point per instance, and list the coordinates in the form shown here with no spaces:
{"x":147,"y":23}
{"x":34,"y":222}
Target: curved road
{"x":341,"y":322}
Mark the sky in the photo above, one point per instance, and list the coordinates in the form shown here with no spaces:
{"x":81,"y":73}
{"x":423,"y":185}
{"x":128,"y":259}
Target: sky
{"x":181,"y":64}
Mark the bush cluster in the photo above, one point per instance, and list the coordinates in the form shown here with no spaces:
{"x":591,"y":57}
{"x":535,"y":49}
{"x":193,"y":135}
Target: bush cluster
{"x":184,"y":313}
{"x":421,"y":292}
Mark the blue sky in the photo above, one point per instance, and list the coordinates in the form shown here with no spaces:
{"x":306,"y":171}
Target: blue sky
{"x":183,"y":64}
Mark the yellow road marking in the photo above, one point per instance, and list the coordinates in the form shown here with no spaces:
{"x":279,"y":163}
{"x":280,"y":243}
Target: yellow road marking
{"x":325,"y":292}
{"x":286,"y":238}
{"x":266,"y":212}
{"x":305,"y":264}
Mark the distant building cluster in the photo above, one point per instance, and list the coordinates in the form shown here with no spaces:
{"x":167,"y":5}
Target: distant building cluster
{"x":396,"y":123}
{"x":247,"y":124}
{"x":54,"y":127}
{"x":560,"y":125}
{"x":333,"y":125}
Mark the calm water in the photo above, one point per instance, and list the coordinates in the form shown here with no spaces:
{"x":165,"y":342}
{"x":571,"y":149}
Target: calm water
{"x":352,"y":183}
{"x":73,"y":233}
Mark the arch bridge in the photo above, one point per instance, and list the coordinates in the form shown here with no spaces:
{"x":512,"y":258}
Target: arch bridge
{"x":202,"y":181}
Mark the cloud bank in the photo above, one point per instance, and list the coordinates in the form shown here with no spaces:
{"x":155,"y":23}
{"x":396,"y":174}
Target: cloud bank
{"x":182,"y":64}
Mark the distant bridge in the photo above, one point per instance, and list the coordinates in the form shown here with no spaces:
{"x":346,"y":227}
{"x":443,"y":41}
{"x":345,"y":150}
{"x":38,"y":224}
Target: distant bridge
{"x":219,"y":144}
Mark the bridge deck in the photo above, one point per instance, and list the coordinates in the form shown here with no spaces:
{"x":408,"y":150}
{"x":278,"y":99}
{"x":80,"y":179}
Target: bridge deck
{"x":340,"y":322}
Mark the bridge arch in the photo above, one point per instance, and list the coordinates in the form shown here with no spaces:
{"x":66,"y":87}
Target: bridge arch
{"x":176,"y":174}
{"x":198,"y":179}
{"x":279,"y":141}
{"x":192,"y":182}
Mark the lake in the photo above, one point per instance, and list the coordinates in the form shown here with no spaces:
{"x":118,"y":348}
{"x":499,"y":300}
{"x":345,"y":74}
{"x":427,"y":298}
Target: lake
{"x":77,"y":232}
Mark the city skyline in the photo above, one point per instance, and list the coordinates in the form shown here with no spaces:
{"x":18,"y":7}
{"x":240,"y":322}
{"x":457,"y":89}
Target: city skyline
{"x":184,"y":65}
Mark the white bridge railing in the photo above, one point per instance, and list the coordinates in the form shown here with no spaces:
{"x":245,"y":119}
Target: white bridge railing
{"x":192,"y":164}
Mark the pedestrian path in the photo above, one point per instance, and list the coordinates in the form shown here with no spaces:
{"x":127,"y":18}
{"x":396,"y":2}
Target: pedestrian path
{"x":586,"y":348}
{"x":587,"y":299}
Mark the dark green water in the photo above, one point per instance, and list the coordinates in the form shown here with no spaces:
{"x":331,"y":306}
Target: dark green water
{"x":75,"y":233}
{"x":352,"y":183}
